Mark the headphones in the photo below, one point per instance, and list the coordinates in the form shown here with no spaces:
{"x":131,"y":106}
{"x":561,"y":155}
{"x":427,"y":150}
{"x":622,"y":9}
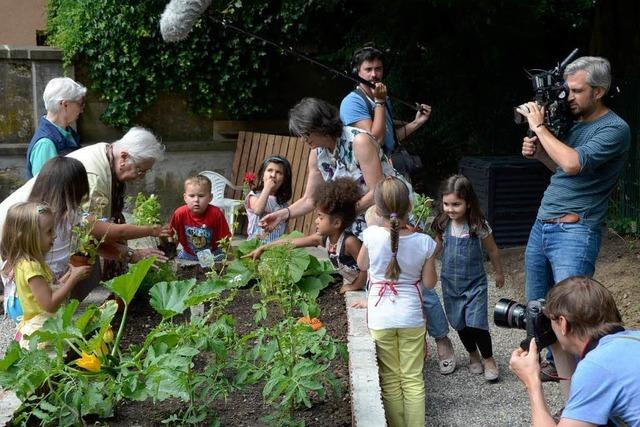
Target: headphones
{"x":366,"y":51}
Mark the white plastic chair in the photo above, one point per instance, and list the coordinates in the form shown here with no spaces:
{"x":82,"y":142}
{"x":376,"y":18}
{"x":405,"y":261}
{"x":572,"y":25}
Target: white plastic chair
{"x":218,"y":184}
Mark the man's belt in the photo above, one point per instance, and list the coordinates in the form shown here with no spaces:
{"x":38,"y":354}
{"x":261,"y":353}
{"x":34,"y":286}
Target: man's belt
{"x":569,"y":218}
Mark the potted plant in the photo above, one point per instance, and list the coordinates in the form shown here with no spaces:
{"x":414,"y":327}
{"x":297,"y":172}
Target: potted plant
{"x":422,"y":205}
{"x":85,"y":245}
{"x":146,"y":211}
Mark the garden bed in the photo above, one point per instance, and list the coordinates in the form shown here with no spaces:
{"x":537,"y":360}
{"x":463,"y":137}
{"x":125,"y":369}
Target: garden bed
{"x":244,"y":407}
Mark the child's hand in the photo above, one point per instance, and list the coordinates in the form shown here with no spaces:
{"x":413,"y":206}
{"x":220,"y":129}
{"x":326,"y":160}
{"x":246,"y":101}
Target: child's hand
{"x":269,"y":184}
{"x":79,"y":273}
{"x":499,"y":280}
{"x":349,"y":287}
{"x":359,"y":304}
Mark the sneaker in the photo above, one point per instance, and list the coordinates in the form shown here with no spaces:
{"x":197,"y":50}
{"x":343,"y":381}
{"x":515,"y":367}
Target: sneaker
{"x":548,"y":372}
{"x":446,"y":357}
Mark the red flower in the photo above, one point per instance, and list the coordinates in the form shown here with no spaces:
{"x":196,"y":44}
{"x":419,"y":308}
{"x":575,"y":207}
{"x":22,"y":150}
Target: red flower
{"x":249,"y":177}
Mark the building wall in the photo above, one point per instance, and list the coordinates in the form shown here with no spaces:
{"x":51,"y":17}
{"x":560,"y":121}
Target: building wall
{"x":20,"y":19}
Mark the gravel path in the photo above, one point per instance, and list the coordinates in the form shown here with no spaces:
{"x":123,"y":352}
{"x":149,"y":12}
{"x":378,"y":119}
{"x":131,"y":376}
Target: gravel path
{"x":464,"y":399}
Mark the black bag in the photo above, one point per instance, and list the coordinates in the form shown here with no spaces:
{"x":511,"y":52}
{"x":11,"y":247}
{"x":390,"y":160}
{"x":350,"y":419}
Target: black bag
{"x":405,"y":162}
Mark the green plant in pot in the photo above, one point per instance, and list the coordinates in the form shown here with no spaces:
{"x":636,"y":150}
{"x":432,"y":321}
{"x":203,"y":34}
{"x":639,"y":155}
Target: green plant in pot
{"x":146,"y":211}
{"x":422,"y":205}
{"x":84,"y":244}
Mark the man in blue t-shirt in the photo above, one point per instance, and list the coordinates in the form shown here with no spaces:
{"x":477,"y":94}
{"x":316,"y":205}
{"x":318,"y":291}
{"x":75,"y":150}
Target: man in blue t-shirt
{"x":369,"y":108}
{"x":605,"y":387}
{"x":565,"y":238}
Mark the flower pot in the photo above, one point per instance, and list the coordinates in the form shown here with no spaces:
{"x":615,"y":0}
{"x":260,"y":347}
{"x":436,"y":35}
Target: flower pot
{"x":169,"y":247}
{"x":79,"y":260}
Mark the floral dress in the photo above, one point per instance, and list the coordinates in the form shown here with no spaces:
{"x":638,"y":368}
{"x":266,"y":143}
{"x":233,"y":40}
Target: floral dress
{"x":342,"y":163}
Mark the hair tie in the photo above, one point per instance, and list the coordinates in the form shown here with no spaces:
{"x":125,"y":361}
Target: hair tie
{"x":393,"y":253}
{"x":393,"y":215}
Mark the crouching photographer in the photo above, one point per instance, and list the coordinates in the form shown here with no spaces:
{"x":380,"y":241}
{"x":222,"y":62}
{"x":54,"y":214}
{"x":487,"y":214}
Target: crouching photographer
{"x":605,"y":387}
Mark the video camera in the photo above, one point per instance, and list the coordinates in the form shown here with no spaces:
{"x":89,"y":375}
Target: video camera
{"x":510,"y":314}
{"x":552,"y":93}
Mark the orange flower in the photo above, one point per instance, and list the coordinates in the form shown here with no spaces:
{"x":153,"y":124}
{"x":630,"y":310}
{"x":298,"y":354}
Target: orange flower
{"x":89,"y":362}
{"x":315,"y":323}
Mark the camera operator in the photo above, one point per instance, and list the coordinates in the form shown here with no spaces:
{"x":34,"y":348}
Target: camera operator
{"x":565,"y":238}
{"x":606,"y":384}
{"x":370,"y":109}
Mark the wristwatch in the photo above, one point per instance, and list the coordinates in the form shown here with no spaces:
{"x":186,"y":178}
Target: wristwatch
{"x":129,"y":257}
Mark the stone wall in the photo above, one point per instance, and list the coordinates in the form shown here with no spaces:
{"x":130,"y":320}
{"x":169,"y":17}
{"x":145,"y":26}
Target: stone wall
{"x":24,"y":72}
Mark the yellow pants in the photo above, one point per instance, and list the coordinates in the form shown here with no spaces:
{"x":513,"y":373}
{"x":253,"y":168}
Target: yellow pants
{"x":400,"y":362}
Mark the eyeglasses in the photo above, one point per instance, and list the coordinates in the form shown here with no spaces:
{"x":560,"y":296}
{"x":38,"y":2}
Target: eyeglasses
{"x":139,"y":170}
{"x":80,"y":103}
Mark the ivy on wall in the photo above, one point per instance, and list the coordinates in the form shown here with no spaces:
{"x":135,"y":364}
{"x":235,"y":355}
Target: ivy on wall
{"x":218,"y":70}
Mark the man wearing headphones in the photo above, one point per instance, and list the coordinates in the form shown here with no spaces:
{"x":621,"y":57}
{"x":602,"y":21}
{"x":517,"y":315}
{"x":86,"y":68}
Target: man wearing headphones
{"x":369,"y":108}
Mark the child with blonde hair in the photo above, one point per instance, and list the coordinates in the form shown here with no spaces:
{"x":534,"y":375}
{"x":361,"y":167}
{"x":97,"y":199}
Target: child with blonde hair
{"x":399,"y":262}
{"x":199,"y":225}
{"x":28,"y":234}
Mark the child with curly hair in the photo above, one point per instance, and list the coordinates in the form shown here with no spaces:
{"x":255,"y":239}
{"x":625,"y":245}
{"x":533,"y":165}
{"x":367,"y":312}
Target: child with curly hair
{"x":335,"y":203}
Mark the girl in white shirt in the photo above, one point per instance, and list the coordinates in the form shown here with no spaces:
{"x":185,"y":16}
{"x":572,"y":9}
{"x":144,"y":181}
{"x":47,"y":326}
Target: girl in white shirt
{"x":399,"y":262}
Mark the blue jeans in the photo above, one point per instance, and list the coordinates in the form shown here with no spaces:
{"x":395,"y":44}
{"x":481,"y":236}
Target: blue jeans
{"x":556,"y":251}
{"x":436,"y":320}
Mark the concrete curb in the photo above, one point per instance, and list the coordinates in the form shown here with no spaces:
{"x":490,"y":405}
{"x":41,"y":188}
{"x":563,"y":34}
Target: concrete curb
{"x":366,"y":397}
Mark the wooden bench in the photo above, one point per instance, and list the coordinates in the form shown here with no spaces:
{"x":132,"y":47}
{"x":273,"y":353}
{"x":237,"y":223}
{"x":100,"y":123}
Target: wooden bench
{"x":251,"y":150}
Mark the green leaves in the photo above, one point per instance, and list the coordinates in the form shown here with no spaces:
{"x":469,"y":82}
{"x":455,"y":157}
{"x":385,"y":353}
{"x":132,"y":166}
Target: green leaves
{"x":126,"y":285}
{"x":168,"y":299}
{"x":146,"y":210}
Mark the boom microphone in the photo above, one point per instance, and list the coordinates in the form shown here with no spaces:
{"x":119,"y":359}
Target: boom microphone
{"x":179,"y":17}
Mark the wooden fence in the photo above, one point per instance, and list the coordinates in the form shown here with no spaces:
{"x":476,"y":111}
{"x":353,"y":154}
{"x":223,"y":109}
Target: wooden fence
{"x":253,"y":148}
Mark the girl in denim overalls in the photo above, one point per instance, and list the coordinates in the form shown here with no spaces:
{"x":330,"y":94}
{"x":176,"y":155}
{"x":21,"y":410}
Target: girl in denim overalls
{"x":399,"y":262}
{"x":463,"y":235}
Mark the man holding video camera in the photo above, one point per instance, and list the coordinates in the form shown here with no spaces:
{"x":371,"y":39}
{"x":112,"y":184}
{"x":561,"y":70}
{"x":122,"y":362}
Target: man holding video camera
{"x":606,"y":384}
{"x":565,"y":238}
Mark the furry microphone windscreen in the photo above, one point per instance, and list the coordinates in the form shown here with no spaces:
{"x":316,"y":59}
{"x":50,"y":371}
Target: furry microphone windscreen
{"x":179,"y":16}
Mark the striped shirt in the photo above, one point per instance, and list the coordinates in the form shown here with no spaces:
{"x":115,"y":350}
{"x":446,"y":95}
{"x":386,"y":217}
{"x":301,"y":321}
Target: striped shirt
{"x":602,"y":146}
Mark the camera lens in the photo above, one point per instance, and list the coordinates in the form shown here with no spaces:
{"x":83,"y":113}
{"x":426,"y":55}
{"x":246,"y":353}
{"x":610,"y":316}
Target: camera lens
{"x":510,"y":314}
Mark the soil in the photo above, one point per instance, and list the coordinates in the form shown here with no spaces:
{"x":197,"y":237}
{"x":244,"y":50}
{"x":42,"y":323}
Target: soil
{"x":244,"y":407}
{"x":616,"y":268}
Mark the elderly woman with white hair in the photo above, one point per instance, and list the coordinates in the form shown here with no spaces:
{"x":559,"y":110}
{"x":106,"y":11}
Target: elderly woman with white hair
{"x":108,"y":167}
{"x":64,"y":101}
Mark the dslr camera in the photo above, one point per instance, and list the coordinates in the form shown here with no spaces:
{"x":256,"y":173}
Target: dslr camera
{"x":531,"y":318}
{"x":552,"y":93}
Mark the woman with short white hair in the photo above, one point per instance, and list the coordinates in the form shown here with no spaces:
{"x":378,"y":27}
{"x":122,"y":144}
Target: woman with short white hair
{"x":64,"y":101}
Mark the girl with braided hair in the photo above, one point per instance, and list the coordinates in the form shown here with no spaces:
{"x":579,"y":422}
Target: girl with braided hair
{"x":464,"y":235}
{"x":399,"y":262}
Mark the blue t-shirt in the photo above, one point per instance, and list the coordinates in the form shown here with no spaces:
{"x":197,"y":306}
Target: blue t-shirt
{"x":606,"y":383}
{"x":353,"y":109}
{"x":602,"y":146}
